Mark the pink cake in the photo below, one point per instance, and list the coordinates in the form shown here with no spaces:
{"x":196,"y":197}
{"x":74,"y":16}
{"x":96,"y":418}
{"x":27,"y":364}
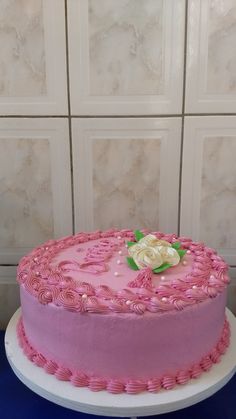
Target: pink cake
{"x":123,"y":311}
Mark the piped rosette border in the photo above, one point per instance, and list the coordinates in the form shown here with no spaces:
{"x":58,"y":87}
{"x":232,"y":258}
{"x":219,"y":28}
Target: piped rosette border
{"x":207,"y":278}
{"x":115,"y":386}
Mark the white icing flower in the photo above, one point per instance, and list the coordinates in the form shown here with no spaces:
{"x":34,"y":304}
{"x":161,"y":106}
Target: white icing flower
{"x":169,"y":255}
{"x":151,"y":252}
{"x":151,"y":240}
{"x":148,"y":257}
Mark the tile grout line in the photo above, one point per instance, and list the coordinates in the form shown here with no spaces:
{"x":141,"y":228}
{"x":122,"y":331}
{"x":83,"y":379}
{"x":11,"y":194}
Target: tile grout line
{"x":69,"y":119}
{"x":177,"y":115}
{"x":182,"y":116}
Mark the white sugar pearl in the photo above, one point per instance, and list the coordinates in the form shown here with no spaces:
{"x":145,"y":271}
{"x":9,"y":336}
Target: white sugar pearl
{"x":118,"y":262}
{"x":128,"y":302}
{"x":194,"y":287}
{"x":163,"y":277}
{"x":164,"y":299}
{"x":188,"y":252}
{"x":46,"y":248}
{"x":84,"y":296}
{"x":120,"y":252}
{"x":212,"y":277}
{"x":116,"y":273}
{"x":126,"y":246}
{"x":119,"y":237}
{"x":184,"y":262}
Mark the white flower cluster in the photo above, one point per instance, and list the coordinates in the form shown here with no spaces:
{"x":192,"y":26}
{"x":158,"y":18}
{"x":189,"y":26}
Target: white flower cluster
{"x":151,"y":252}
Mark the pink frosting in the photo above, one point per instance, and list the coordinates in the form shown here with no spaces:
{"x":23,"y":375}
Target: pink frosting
{"x":61,"y":264}
{"x":131,"y":386}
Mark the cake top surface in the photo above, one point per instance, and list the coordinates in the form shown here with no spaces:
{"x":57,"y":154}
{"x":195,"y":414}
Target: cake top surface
{"x":123,"y":271}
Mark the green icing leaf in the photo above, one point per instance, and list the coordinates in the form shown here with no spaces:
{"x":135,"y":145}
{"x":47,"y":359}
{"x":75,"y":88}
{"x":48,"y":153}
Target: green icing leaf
{"x":176,"y":245}
{"x":132,"y":264}
{"x":138,"y":235}
{"x":181,"y":252}
{"x":162,"y":268}
{"x":131,"y":243}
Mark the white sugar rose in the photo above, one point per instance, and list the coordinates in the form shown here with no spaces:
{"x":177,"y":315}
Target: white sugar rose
{"x":147,"y":257}
{"x":151,"y":240}
{"x":169,"y":255}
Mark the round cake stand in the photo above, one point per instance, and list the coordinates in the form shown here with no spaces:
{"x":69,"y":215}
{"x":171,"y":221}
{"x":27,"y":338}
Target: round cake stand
{"x":122,"y":405}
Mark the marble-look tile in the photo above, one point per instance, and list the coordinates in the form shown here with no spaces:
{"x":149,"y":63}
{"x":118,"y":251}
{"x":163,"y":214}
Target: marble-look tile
{"x":25,"y":192}
{"x":9,"y":302}
{"x":221,"y":64}
{"x":218,"y":192}
{"x":22,"y":60}
{"x":126,"y":183}
{"x":126,"y":47}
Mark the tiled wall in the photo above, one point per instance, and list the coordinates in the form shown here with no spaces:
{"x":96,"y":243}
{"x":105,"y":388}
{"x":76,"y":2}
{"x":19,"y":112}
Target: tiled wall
{"x":116,"y":113}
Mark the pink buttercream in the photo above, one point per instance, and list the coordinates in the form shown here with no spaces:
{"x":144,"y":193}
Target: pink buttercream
{"x":131,"y":386}
{"x":58,"y":263}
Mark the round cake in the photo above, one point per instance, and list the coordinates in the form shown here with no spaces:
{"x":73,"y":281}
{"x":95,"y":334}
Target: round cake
{"x":123,"y":311}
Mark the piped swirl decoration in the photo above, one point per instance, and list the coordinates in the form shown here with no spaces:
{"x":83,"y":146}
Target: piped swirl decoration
{"x":153,"y":385}
{"x":52,"y":284}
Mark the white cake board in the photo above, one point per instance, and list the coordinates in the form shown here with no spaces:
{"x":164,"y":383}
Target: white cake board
{"x":122,"y":405}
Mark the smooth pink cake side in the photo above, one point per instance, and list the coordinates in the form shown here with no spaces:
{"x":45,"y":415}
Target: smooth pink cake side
{"x":124,"y":348}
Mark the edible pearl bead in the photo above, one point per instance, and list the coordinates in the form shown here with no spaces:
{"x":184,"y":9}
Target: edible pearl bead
{"x":163,"y":277}
{"x":212,"y":277}
{"x":120,"y":252}
{"x":46,"y":248}
{"x":118,"y":262}
{"x":194,"y":287}
{"x":128,"y":302}
{"x":188,"y":252}
{"x":35,"y":259}
{"x":119,"y":237}
{"x":37,"y":273}
{"x":126,"y":246}
{"x":164,"y":299}
{"x":184,"y":262}
{"x":116,"y":273}
{"x":84,"y":296}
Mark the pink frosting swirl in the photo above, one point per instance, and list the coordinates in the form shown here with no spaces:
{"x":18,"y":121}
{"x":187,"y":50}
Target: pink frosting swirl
{"x":154,"y":385}
{"x":137,"y":307}
{"x":50,"y":367}
{"x":182,"y":377}
{"x":127,"y":294}
{"x":135,"y":386}
{"x":85,"y":288}
{"x":103,"y":291}
{"x":195,"y":371}
{"x":78,"y":379}
{"x":67,"y":282}
{"x":206,"y":363}
{"x":39,"y":360}
{"x":168,"y":382}
{"x":32,"y":284}
{"x":63,"y":374}
{"x":118,"y":306}
{"x":22,"y":276}
{"x":115,"y":387}
{"x":70,"y":300}
{"x":215,"y":356}
{"x":93,"y":306}
{"x":97,"y":384}
{"x":47,"y":294}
